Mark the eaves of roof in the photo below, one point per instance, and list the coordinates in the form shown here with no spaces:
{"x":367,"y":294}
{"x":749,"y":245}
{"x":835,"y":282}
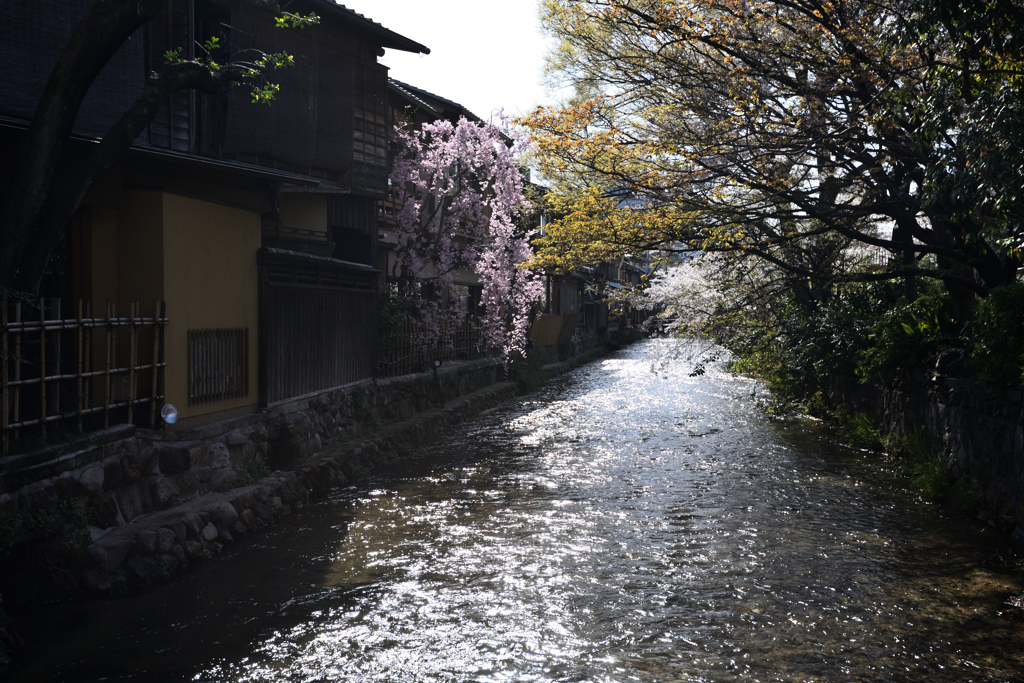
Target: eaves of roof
{"x":386,"y":37}
{"x":402,"y":90}
{"x":180,"y":160}
{"x":436,"y":102}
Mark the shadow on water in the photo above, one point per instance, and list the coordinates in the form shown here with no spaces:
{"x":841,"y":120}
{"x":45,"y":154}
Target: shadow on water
{"x":618,"y":525}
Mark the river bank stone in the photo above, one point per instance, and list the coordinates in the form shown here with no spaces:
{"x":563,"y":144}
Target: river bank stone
{"x":91,"y":480}
{"x":109,"y":554}
{"x":153,"y":511}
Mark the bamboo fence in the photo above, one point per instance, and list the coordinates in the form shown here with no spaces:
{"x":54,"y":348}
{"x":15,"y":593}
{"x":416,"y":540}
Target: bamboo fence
{"x":49,"y":375}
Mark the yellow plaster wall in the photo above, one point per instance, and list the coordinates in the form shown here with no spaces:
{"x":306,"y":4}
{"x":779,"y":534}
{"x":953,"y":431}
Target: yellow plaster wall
{"x":103,"y":262}
{"x":102,"y":285}
{"x":210,"y":281}
{"x":137,"y":257}
{"x":140,"y":264}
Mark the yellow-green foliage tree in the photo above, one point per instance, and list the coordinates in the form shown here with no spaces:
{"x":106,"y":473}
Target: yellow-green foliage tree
{"x":786,"y":130}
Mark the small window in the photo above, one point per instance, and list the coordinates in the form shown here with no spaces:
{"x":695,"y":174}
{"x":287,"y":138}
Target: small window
{"x":218,"y":364}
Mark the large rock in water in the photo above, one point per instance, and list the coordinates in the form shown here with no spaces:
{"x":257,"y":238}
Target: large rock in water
{"x":223,"y":513}
{"x":91,"y":479}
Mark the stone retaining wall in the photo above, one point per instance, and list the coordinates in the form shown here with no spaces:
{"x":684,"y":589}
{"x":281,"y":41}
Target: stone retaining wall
{"x":975,"y":431}
{"x":156,"y":545}
{"x":57,"y":501}
{"x":156,"y":492}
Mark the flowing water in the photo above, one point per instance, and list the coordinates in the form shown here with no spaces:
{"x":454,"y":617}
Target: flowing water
{"x":622,"y":524}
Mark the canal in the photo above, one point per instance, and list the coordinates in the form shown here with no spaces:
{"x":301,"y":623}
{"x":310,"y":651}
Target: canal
{"x":625,"y":523}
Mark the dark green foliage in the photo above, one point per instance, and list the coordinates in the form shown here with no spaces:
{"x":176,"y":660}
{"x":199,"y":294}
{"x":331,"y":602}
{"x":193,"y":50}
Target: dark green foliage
{"x":910,"y":335}
{"x":869,"y":331}
{"x":38,"y":521}
{"x":931,"y":475}
{"x":8,"y":527}
{"x":976,"y":177}
{"x":364,"y":412}
{"x":394,"y":312}
{"x":72,"y":512}
{"x":284,"y":450}
{"x":858,"y":429}
{"x":997,"y":333}
{"x":804,"y":354}
{"x":528,"y":373}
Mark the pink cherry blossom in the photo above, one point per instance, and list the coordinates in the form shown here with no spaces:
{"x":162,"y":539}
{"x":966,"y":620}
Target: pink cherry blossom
{"x":459,"y":192}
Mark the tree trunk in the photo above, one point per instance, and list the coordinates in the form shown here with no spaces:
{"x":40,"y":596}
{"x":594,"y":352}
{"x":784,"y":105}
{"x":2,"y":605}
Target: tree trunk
{"x":180,"y":76}
{"x":106,"y":25}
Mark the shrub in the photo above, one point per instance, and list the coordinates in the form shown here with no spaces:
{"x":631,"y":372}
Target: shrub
{"x":248,"y":474}
{"x":805,"y":354}
{"x":910,"y":334}
{"x":997,"y":337}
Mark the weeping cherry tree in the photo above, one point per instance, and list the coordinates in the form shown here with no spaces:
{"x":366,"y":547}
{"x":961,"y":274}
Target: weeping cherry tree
{"x":459,"y":192}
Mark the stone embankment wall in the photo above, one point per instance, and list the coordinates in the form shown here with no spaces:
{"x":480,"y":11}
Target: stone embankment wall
{"x":158,"y":544}
{"x":72,"y":516}
{"x":129,"y":507}
{"x":975,"y":431}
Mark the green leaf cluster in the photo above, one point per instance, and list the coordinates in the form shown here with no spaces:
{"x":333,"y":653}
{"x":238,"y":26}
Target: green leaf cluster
{"x":805,"y":354}
{"x":394,"y":312}
{"x":910,"y":334}
{"x":997,"y":333}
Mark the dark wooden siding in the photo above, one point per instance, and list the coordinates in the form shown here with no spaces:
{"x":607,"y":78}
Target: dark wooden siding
{"x":370,"y":128}
{"x":318,"y":325}
{"x":329,"y":119}
{"x":353,"y":224}
{"x":32,"y":34}
{"x":173,"y":28}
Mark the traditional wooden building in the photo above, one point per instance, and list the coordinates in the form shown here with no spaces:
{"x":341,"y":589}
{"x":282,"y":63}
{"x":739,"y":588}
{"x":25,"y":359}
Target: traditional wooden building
{"x":254,"y":225}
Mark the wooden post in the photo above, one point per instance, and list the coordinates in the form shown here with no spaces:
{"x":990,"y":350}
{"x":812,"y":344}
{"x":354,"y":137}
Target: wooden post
{"x":81,"y":364}
{"x":42,"y":367}
{"x":88,"y":397}
{"x":156,"y":364}
{"x":110,"y":350}
{"x":4,"y":379}
{"x":16,"y":407}
{"x":131,"y":360}
{"x":58,"y":315}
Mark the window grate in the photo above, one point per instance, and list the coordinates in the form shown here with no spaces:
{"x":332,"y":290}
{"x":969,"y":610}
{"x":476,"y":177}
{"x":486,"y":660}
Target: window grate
{"x":218,"y":364}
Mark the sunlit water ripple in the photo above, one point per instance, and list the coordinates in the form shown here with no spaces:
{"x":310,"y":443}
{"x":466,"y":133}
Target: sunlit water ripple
{"x":619,"y":525}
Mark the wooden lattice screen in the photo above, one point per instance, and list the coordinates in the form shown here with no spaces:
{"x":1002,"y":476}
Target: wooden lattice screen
{"x":218,"y":364}
{"x":54,"y":373}
{"x":318,"y":326}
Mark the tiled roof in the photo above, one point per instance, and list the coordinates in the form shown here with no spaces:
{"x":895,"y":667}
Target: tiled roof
{"x":407,"y":93}
{"x":425,"y":96}
{"x":387,"y":37}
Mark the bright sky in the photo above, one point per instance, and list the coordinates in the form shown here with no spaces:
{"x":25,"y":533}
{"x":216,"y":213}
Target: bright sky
{"x":484,"y":54}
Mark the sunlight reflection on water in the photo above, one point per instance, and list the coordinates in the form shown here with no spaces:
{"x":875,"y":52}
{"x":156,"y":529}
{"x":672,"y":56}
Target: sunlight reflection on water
{"x":628,"y":526}
{"x":620,"y":525}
